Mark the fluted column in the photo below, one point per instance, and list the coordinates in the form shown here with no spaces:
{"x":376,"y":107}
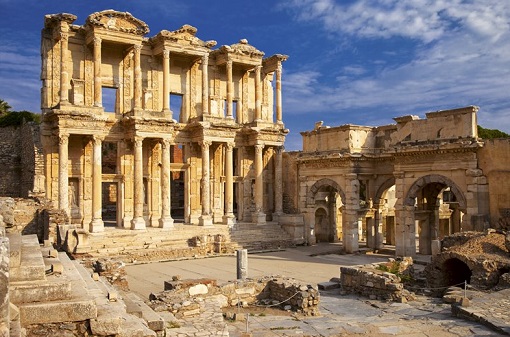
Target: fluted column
{"x":205,"y":219}
{"x":138,"y":78}
{"x":259,"y":216}
{"x":64,"y":73}
{"x":98,"y":85}
{"x":278,"y":193}
{"x":258,"y":94}
{"x":166,"y":220}
{"x":230,"y":89}
{"x":138,"y":221}
{"x":63,"y":179}
{"x":97,"y":225}
{"x":229,"y":218}
{"x":279,"y":94}
{"x":166,"y":81}
{"x":205,"y":85}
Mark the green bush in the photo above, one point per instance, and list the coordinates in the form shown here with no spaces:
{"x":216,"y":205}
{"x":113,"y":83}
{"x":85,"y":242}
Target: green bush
{"x":16,"y":118}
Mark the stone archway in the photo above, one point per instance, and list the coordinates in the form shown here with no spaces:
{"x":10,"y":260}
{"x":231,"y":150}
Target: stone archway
{"x":425,"y":197}
{"x":325,"y":198}
{"x":384,"y":205}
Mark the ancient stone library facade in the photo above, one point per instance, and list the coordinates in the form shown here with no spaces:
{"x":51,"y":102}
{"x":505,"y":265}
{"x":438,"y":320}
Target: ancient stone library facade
{"x":128,"y":119}
{"x":138,"y":132}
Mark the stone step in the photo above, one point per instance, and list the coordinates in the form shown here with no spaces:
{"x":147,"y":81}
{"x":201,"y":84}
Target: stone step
{"x":133,"y":327}
{"x":15,"y":250}
{"x":154,"y":321}
{"x":31,"y":265}
{"x":52,"y":289}
{"x":57,"y":311}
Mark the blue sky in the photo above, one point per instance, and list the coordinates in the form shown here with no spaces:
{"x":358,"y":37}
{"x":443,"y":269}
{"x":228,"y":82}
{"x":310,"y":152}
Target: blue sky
{"x":351,"y":61}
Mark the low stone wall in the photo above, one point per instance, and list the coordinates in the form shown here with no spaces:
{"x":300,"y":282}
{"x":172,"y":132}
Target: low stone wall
{"x":372,"y":281}
{"x":183,"y":297}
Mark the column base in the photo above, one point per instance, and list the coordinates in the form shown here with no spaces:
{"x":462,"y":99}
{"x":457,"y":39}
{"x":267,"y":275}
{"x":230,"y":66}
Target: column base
{"x":166,"y":223}
{"x":276,"y":216}
{"x":229,"y":219}
{"x":96,"y":226}
{"x":259,"y":218}
{"x":205,"y":220}
{"x":138,"y":223}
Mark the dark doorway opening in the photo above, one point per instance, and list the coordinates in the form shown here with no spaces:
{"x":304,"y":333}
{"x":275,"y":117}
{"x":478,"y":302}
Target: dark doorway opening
{"x":456,"y":272}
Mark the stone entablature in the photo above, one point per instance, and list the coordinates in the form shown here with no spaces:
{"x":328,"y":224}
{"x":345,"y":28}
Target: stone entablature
{"x":106,"y":85}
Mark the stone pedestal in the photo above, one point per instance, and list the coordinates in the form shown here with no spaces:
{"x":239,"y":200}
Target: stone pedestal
{"x":205,"y":220}
{"x":259,"y":218}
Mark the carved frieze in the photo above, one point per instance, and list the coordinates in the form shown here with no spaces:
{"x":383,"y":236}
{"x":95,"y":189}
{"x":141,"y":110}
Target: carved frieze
{"x":117,"y":21}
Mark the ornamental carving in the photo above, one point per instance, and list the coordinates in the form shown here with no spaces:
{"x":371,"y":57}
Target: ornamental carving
{"x":118,"y":21}
{"x":242,"y":48}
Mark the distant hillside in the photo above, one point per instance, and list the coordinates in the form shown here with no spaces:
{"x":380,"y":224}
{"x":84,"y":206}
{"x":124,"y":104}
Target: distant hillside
{"x":491,"y":133}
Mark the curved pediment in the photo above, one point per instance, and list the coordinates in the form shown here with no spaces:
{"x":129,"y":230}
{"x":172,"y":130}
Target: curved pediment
{"x":117,"y":21}
{"x":186,"y":35}
{"x":242,"y":48}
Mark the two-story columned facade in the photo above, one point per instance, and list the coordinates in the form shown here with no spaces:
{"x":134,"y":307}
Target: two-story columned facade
{"x":138,"y":131}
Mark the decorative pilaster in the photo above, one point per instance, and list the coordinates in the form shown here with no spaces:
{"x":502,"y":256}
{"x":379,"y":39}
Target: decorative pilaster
{"x":138,"y":221}
{"x":138,"y":78}
{"x":97,"y":225}
{"x":64,"y":73}
{"x":98,"y":84}
{"x":205,"y":219}
{"x":230,"y":89}
{"x":278,"y":193}
{"x":259,"y":216}
{"x":63,"y":179}
{"x":258,"y":94}
{"x":166,"y":220}
{"x":229,"y":218}
{"x":205,"y":85}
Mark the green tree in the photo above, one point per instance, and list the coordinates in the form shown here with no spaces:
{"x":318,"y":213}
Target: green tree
{"x":491,"y":133}
{"x":4,"y":107}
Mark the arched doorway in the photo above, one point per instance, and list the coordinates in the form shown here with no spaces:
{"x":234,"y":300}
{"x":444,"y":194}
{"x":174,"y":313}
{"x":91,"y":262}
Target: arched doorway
{"x":323,"y":230}
{"x":456,"y":272}
{"x":439,"y":206}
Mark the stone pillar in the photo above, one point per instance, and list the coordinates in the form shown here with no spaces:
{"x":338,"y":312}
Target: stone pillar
{"x":98,"y":85}
{"x":258,"y":216}
{"x":205,"y":219}
{"x":205,"y":85}
{"x":229,"y":218}
{"x":242,"y":264}
{"x":63,"y":178}
{"x":230,"y":89}
{"x":138,"y":78}
{"x":351,"y":222}
{"x":97,"y":225}
{"x":166,"y":220}
{"x":379,"y":239}
{"x":138,"y":221}
{"x":258,"y":94}
{"x":4,"y":286}
{"x":278,"y":193}
{"x":279,"y":94}
{"x":166,"y":81}
{"x":64,"y":73}
{"x":405,"y":227}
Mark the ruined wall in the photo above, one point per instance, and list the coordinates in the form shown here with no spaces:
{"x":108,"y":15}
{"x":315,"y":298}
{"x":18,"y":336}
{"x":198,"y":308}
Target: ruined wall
{"x":494,"y":160}
{"x":10,"y":161}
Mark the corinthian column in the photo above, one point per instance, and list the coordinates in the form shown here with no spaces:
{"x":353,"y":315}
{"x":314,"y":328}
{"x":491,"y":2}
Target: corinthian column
{"x":259,"y":216}
{"x":64,"y":74}
{"x":96,"y":225}
{"x":258,"y":94}
{"x":138,"y":78}
{"x":166,"y":81}
{"x":205,"y":85}
{"x":230,"y":89}
{"x":138,"y":221}
{"x":166,"y":220}
{"x":229,"y":218}
{"x":278,"y":197}
{"x":98,"y":85}
{"x":205,"y":219}
{"x":63,"y":179}
{"x":279,"y":93}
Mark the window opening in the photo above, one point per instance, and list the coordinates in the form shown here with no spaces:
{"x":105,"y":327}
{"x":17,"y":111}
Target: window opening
{"x":109,"y":98}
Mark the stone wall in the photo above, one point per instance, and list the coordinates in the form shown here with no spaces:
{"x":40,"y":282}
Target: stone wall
{"x":4,"y":282}
{"x":10,"y":161}
{"x":372,"y":281}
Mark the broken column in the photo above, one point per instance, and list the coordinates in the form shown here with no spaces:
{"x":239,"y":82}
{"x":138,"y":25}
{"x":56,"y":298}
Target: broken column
{"x":242,"y":264}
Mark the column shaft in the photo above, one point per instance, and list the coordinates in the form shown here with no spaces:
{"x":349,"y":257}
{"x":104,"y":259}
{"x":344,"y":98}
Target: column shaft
{"x":166,"y":80}
{"x":258,"y":94}
{"x":278,"y":202}
{"x":279,"y":94}
{"x":64,"y":74}
{"x":259,"y":216}
{"x":63,"y":179}
{"x":205,"y":85}
{"x":97,"y":225}
{"x":98,"y":85}
{"x":205,"y":218}
{"x":138,"y":78}
{"x":229,"y":218}
{"x":166,"y":220}
{"x":138,"y":221}
{"x":230,"y":89}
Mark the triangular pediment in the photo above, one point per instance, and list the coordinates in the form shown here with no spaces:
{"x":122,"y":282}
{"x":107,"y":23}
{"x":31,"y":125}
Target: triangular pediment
{"x":242,"y":48}
{"x":186,"y":35}
{"x":117,"y":21}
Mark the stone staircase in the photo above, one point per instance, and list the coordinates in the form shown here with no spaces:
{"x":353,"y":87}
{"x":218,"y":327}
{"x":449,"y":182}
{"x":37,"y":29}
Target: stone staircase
{"x":47,"y":287}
